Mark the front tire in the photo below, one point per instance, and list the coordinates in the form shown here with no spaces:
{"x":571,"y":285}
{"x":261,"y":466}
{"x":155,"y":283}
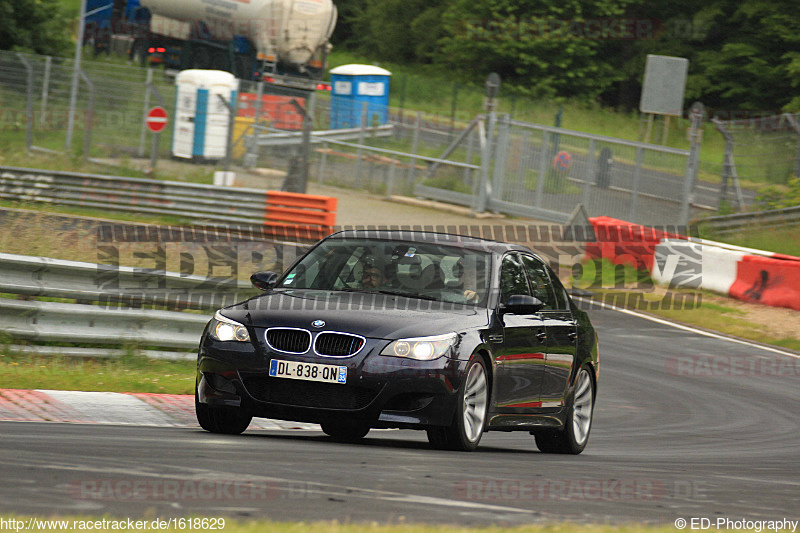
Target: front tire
{"x":465,"y":432}
{"x":225,"y":420}
{"x":574,"y":436}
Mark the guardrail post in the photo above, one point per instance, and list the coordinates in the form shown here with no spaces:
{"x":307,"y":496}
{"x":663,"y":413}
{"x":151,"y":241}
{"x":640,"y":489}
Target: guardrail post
{"x":28,"y":103}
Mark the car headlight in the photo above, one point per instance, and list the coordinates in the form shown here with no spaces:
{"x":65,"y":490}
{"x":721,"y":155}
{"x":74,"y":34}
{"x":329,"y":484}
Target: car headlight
{"x":421,"y":348}
{"x":224,"y":329}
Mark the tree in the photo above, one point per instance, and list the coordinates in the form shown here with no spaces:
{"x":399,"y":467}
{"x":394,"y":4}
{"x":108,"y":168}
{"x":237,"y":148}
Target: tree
{"x":548,"y":48}
{"x":39,"y":26}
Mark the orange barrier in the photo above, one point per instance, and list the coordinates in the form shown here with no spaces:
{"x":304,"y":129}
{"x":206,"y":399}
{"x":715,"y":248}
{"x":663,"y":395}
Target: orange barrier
{"x":624,"y":243}
{"x":278,"y":110}
{"x":297,"y":215}
{"x":768,"y":280}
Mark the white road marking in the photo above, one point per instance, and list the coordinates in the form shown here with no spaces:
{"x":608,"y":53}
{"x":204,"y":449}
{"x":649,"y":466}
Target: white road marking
{"x":684,"y":327}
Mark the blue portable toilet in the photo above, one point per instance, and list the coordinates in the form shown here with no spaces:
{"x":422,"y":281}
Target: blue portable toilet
{"x":352,"y":86}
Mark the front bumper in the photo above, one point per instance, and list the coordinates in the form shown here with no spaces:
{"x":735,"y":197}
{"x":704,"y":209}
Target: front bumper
{"x":382,"y":391}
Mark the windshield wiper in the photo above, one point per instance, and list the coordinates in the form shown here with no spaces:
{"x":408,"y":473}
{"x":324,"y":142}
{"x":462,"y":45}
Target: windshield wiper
{"x":389,"y":292}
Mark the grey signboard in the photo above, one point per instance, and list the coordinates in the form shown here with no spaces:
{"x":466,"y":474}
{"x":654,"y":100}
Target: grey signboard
{"x":663,"y":86}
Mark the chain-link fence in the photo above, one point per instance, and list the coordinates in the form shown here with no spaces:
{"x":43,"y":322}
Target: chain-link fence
{"x":108,"y":116}
{"x":487,"y":163}
{"x":764,"y":149}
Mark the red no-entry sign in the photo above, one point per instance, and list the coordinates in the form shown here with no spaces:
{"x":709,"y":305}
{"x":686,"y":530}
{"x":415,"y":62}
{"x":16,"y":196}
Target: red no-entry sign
{"x":156,"y":119}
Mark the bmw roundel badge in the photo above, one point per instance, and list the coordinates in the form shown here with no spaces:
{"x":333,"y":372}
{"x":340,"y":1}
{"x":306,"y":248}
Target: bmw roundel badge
{"x":318,"y":323}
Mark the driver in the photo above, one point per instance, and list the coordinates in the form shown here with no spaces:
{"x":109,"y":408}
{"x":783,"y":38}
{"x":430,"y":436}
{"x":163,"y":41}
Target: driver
{"x":372,"y":277}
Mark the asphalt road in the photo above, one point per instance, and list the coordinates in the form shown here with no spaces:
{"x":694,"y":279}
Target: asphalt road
{"x":686,"y":426}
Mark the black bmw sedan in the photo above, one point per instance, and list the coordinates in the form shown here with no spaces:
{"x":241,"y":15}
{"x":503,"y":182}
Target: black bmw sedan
{"x":394,"y":329}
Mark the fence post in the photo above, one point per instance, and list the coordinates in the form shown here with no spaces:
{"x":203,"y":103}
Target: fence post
{"x":412,"y":167}
{"x":323,"y":160}
{"x":499,"y":176}
{"x":796,"y":126}
{"x":637,"y":177}
{"x":485,"y":187}
{"x":28,"y":103}
{"x":589,"y":181}
{"x":87,"y":136}
{"x":142,"y":135}
{"x":360,"y":153}
{"x":691,"y":168}
{"x":48,"y":65}
{"x":76,"y":67}
{"x":543,"y":153}
{"x":390,"y":180}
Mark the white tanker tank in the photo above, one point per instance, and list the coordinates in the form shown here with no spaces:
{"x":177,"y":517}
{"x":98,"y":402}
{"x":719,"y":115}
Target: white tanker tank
{"x":285,"y":31}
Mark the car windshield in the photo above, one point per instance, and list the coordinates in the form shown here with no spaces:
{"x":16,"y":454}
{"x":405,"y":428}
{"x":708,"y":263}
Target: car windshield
{"x":429,"y":271}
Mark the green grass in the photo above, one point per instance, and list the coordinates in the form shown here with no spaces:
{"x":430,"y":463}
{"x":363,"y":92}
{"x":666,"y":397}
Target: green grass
{"x":131,"y":373}
{"x":785,"y":240}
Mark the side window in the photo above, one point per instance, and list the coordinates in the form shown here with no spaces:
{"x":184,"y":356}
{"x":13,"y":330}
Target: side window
{"x":561,"y":293}
{"x":512,"y":278}
{"x":540,"y":282}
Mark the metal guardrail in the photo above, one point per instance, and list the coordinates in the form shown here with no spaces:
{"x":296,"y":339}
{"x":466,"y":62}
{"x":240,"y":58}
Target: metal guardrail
{"x":100,"y":326}
{"x":140,"y":195}
{"x":317,"y":137}
{"x":764,"y":219}
{"x":110,"y":284}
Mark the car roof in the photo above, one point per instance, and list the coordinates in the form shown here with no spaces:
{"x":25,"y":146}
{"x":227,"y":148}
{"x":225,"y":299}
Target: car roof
{"x":451,"y":239}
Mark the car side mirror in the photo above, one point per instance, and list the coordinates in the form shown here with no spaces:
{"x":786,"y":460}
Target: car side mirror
{"x":521,"y":304}
{"x":264,"y":280}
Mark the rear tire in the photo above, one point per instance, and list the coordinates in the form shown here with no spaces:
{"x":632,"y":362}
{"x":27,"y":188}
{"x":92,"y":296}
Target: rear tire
{"x":345,"y":430}
{"x":225,"y":420}
{"x":574,"y":436}
{"x":465,"y":433}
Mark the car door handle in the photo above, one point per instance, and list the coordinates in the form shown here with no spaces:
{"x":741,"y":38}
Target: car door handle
{"x":541,"y":335}
{"x":573,"y":335}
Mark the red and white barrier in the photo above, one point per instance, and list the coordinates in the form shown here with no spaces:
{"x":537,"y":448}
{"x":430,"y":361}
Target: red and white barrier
{"x":679,"y":261}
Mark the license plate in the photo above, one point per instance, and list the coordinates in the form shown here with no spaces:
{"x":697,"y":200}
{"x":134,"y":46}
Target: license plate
{"x":308,"y":371}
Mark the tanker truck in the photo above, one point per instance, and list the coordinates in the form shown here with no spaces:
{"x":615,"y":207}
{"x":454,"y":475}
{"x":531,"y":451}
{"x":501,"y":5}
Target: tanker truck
{"x":254,"y":39}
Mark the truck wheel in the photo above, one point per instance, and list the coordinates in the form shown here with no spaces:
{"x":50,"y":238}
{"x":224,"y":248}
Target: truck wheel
{"x":139,"y":54}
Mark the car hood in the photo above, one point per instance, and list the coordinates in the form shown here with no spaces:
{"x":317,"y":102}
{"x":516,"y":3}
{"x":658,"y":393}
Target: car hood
{"x":370,"y":315}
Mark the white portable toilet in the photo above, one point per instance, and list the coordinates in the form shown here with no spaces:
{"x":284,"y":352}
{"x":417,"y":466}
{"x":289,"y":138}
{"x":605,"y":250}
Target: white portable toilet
{"x":202,"y":118}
